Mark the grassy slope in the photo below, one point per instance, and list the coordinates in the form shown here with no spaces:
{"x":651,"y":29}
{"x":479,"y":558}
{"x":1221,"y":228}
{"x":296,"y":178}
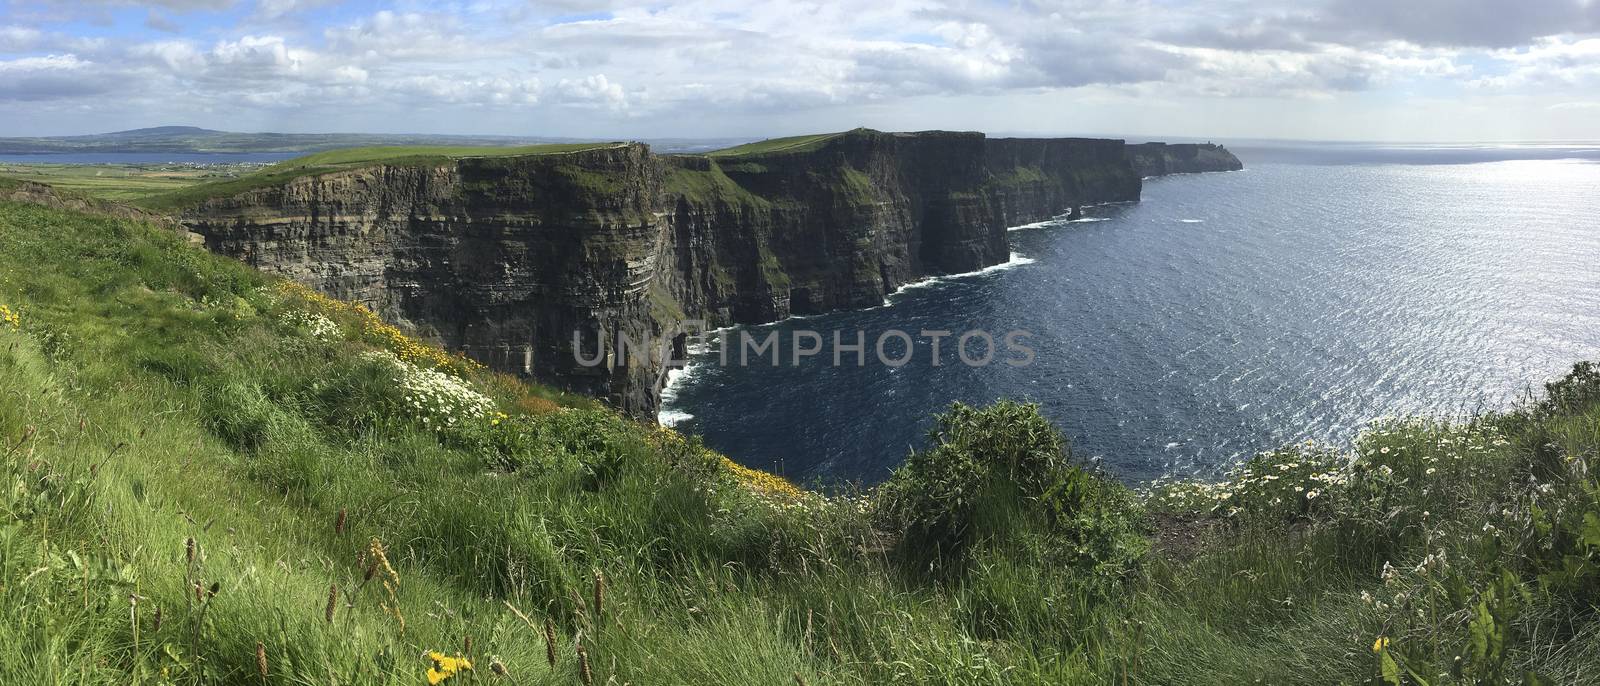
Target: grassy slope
{"x":150,"y":393}
{"x":348,"y":158}
{"x":776,"y":145}
{"x":122,"y":183}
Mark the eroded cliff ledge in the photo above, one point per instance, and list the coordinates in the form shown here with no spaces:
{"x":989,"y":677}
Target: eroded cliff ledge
{"x":506,"y":257}
{"x":1160,"y":159}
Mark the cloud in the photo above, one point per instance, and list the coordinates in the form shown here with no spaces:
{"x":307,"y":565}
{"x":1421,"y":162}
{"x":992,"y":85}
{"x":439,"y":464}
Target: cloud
{"x":593,"y":90}
{"x":274,"y":9}
{"x":411,"y":35}
{"x":1455,"y":23}
{"x":156,"y":22}
{"x":19,"y":38}
{"x":481,"y":91}
{"x":625,"y":61}
{"x":174,"y":5}
{"x":1550,"y":64}
{"x":52,"y":77}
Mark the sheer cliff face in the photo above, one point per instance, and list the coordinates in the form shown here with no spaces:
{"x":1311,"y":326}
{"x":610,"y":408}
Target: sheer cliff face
{"x":502,"y":258}
{"x":505,"y":258}
{"x":1159,"y":159}
{"x":761,"y":237}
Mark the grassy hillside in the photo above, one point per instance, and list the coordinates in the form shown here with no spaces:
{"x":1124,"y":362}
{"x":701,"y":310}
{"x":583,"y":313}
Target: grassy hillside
{"x":213,"y":477}
{"x":123,"y":183}
{"x":772,"y":145}
{"x":347,"y":158}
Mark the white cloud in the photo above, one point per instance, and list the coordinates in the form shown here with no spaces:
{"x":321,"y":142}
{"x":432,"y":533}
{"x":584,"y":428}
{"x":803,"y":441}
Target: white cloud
{"x":502,"y":61}
{"x":19,"y":38}
{"x":52,"y":77}
{"x":595,"y":89}
{"x":1550,"y":63}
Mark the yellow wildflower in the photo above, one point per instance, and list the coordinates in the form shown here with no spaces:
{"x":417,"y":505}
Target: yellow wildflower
{"x":378,"y":332}
{"x":757,"y":481}
{"x":1381,"y":644}
{"x":8,"y":318}
{"x":443,"y":666}
{"x":765,"y":483}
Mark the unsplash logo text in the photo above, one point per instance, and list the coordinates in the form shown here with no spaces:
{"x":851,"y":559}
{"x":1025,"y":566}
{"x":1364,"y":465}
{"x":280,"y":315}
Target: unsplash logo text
{"x":892,"y":348}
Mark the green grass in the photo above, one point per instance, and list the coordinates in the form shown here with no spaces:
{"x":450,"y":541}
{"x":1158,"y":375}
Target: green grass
{"x":151,"y":393}
{"x":428,"y":154}
{"x":712,"y":184}
{"x":117,"y":182}
{"x":777,"y":145}
{"x":349,"y":158}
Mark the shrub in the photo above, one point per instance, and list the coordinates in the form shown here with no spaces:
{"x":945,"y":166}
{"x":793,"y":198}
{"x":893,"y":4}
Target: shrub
{"x":996,"y":475}
{"x":1575,"y":392}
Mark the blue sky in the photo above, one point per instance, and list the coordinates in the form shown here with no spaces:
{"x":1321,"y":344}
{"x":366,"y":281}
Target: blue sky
{"x":1416,"y":70}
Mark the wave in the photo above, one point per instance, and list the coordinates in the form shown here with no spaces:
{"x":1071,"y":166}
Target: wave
{"x":1192,"y":221}
{"x":1062,"y":218}
{"x":666,"y":415}
{"x":671,"y":418}
{"x":1039,"y":225}
{"x":1017,"y":260}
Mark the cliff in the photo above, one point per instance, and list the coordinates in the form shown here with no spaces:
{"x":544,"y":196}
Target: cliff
{"x":842,"y":222}
{"x":1160,"y":159}
{"x":504,"y":258}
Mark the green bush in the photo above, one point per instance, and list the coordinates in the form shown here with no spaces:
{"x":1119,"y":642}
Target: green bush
{"x":994,"y":477}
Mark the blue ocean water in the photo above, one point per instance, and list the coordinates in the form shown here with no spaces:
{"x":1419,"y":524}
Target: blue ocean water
{"x":1223,"y":314}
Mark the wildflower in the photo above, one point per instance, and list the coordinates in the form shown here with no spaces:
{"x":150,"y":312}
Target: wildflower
{"x":1381,"y":644}
{"x":443,"y":666}
{"x":9,"y":319}
{"x":1430,"y":471}
{"x":1384,"y":450}
{"x":318,"y":326}
{"x":1312,"y":494}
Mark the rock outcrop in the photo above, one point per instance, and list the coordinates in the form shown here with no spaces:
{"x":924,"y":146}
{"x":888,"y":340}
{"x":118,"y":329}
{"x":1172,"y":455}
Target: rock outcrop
{"x":1160,"y":159}
{"x":515,"y":260}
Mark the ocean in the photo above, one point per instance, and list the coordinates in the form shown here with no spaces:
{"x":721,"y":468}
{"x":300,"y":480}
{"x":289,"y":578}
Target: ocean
{"x":1319,"y":289}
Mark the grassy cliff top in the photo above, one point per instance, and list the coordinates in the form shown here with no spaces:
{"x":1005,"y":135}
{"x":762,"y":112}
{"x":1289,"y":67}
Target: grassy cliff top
{"x":815,"y":141}
{"x":350,"y":158}
{"x":774,"y":145}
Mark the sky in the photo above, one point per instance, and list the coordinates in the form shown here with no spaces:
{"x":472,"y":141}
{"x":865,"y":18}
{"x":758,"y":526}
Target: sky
{"x":1369,"y":70}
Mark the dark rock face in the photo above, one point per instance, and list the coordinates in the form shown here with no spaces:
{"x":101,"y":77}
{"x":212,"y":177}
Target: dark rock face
{"x":506,"y":258}
{"x":1160,"y":159}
